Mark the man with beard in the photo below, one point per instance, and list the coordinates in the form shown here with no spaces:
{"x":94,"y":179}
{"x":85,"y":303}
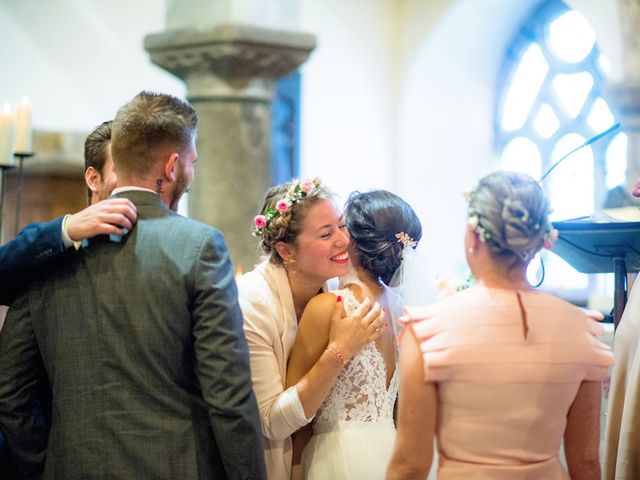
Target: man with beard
{"x":141,"y":340}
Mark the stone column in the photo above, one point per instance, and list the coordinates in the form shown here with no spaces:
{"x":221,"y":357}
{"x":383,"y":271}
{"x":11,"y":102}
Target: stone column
{"x":625,"y":101}
{"x":229,"y":71}
{"x":625,"y":95}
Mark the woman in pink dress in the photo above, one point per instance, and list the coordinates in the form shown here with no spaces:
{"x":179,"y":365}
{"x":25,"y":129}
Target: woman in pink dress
{"x":499,"y":374}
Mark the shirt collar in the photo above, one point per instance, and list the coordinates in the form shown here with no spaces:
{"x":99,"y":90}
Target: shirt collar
{"x":128,"y":188}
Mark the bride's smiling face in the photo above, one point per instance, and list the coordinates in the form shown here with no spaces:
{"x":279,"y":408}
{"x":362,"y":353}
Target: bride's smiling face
{"x":320,"y":250}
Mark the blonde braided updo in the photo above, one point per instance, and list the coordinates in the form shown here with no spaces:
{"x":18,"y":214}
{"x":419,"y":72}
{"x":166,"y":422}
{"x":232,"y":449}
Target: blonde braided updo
{"x":510,"y":213}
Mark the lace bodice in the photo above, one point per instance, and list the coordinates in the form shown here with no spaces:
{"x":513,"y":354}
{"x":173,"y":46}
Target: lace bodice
{"x":360,"y":392}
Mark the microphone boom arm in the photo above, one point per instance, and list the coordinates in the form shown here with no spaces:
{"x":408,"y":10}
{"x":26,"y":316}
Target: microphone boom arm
{"x":608,"y":131}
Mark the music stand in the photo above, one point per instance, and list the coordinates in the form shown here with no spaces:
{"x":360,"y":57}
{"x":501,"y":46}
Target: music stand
{"x":602,"y":247}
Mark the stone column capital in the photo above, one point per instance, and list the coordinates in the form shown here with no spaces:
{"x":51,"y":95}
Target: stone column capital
{"x":230,"y":60}
{"x":625,"y":101}
{"x":629,"y":16}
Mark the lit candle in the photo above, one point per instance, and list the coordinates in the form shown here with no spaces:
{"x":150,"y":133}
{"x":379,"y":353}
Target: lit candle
{"x":23,"y":126}
{"x":7,"y":130}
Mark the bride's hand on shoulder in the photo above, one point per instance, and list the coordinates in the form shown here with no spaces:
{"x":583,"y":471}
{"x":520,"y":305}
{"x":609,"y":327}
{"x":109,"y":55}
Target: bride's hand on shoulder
{"x":351,"y":333}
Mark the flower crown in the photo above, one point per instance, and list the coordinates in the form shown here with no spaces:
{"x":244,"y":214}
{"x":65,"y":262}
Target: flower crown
{"x":549,"y":238}
{"x":299,"y":189}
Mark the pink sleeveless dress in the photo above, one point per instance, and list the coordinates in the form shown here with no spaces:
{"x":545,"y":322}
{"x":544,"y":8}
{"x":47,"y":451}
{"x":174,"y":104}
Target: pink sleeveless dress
{"x":508,"y":365}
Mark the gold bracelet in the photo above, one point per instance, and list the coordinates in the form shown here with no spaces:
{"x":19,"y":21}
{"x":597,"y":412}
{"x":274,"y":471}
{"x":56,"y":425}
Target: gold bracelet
{"x":338,"y":354}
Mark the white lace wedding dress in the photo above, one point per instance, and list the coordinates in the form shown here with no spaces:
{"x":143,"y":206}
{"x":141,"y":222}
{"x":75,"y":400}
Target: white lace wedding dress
{"x":353,"y":432}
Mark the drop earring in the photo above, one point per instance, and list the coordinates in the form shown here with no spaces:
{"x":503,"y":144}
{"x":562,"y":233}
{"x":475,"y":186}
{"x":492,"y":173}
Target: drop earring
{"x":290,"y":265}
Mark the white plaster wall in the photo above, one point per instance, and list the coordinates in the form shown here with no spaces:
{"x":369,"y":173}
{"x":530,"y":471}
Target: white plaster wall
{"x":348,"y":109}
{"x":451,"y":56}
{"x":281,"y":14}
{"x":79,"y":60}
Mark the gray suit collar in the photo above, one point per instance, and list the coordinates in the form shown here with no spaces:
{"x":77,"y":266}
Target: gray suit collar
{"x":141,"y":197}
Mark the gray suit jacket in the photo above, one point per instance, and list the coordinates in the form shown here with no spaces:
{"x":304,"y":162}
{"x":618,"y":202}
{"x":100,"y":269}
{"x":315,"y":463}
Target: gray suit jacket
{"x":143,"y":347}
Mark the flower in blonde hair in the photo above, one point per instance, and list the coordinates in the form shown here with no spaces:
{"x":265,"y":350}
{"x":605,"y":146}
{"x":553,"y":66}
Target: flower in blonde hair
{"x":474,"y":223}
{"x":307,"y":186}
{"x":283,"y":205}
{"x":260,"y":221}
{"x":550,"y":237}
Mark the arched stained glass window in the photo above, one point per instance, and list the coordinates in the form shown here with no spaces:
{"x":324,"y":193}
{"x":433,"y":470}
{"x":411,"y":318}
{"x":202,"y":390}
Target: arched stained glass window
{"x":551,"y":99}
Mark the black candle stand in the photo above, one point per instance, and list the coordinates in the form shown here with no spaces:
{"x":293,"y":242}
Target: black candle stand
{"x":20,"y":156}
{"x":3,"y":176}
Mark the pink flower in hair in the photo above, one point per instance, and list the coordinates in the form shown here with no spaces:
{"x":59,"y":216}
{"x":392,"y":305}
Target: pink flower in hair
{"x":307,"y":186}
{"x":260,"y":221}
{"x":550,"y":238}
{"x":283,"y":205}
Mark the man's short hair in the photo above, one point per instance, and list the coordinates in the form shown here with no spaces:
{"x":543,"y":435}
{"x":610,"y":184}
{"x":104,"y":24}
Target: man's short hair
{"x":147,"y":126}
{"x":95,"y":149}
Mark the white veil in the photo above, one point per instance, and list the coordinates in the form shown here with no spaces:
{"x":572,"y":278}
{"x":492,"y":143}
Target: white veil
{"x":412,"y":284}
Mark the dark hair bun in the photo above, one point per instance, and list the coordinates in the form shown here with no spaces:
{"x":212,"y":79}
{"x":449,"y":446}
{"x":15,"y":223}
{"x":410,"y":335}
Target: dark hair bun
{"x":373,"y":220}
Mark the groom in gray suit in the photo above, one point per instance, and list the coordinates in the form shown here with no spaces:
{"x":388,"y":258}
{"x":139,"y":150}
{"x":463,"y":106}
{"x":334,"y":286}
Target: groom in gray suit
{"x":140,"y":339}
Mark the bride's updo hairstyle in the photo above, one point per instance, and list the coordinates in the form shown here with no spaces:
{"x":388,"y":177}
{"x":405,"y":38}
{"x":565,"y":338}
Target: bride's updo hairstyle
{"x":284,"y":210}
{"x":380,"y":225}
{"x":510,"y":213}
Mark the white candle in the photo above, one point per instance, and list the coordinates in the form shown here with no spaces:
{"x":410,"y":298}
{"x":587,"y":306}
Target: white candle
{"x":23,"y":126}
{"x":7,"y":130}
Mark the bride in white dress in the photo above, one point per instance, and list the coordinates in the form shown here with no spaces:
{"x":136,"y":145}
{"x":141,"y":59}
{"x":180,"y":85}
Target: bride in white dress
{"x":353,"y":431}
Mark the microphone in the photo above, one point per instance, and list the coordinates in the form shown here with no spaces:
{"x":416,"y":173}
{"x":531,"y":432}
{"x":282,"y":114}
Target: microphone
{"x":608,"y":131}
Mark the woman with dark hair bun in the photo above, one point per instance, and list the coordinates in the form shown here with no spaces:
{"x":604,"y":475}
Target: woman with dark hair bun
{"x":370,"y":219}
{"x":499,"y":374}
{"x":353,"y":431}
